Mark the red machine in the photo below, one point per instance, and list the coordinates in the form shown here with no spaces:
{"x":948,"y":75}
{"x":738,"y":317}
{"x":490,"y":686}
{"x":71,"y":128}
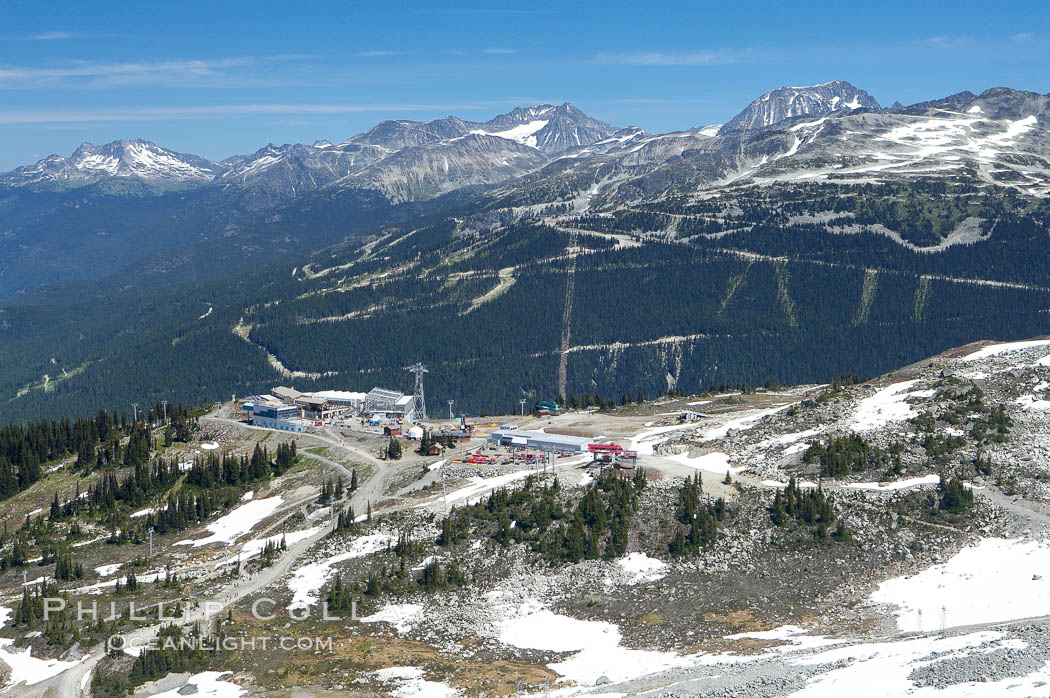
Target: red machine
{"x":611,"y":449}
{"x":613,"y":454}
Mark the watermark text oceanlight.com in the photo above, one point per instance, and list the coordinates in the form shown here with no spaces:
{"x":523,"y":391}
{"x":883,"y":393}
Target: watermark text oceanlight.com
{"x":135,"y":645}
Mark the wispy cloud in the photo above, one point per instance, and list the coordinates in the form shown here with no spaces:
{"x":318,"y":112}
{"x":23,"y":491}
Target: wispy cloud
{"x":236,"y":72}
{"x":483,"y":11}
{"x":56,"y":35}
{"x":90,"y":74}
{"x":659,"y":101}
{"x":74,"y":115}
{"x":948,"y":42}
{"x":51,"y":36}
{"x":378,"y":54}
{"x":658,"y":58}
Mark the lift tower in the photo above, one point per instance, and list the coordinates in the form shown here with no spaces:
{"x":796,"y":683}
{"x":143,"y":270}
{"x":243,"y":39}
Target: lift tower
{"x":420,"y":402}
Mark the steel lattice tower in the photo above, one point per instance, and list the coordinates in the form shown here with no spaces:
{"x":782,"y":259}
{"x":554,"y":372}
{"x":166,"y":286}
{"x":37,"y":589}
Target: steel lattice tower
{"x":421,"y":403}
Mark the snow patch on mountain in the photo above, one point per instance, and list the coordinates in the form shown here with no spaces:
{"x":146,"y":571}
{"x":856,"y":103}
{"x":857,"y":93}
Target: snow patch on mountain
{"x":788,"y":102}
{"x":131,"y":159}
{"x":524,"y":133}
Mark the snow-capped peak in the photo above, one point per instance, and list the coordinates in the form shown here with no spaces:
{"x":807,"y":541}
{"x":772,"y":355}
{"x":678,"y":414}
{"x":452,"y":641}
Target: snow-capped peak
{"x":787,"y":102}
{"x":130,"y":159}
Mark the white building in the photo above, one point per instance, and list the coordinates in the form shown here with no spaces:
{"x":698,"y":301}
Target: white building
{"x":388,"y":403}
{"x":277,"y":416}
{"x":343,"y":398}
{"x":540,"y":441}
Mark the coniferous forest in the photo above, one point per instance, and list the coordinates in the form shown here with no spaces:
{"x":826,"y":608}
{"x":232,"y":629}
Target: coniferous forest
{"x":784,"y":284}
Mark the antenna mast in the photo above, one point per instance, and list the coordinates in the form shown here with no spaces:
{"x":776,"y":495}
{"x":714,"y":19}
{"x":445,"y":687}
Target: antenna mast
{"x":420,"y":401}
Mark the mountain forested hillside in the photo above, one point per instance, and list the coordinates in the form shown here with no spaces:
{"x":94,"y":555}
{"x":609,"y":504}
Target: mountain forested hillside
{"x":785,"y":252}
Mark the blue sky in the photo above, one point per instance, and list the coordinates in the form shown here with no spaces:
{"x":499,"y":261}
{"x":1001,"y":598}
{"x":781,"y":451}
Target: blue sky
{"x":219,"y":78}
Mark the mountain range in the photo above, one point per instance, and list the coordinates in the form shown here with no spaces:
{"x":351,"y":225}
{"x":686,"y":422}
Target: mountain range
{"x":302,"y":246}
{"x":82,"y":217}
{"x":448,"y":153}
{"x":994,"y":134}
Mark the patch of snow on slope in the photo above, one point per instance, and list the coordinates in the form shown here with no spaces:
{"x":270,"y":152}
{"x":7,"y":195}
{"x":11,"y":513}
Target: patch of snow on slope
{"x":898,"y":484}
{"x":398,"y":672}
{"x":940,"y":136}
{"x":785,"y":439}
{"x":402,"y":616}
{"x":106,"y":570}
{"x":238,"y":522}
{"x":931,"y":136}
{"x":884,"y":668}
{"x":642,"y":568}
{"x":411,"y":684}
{"x":94,"y":161}
{"x":714,"y":462}
{"x":885,"y":406}
{"x":308,"y":579}
{"x":25,"y":668}
{"x":1030,"y":402}
{"x":1013,"y":131}
{"x":523,"y":133}
{"x":809,"y":124}
{"x":995,"y":580}
{"x":741,"y":423}
{"x":99,"y":587}
{"x":646,"y":441}
{"x":596,"y":645}
{"x":997,"y":349}
{"x":801,"y":484}
{"x":254,"y":547}
{"x":208,"y":684}
{"x":481,"y":485}
{"x":793,"y":634}
{"x":153,"y":163}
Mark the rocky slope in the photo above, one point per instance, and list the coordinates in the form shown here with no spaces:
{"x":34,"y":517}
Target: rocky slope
{"x":132,"y":160}
{"x":923,"y":561}
{"x":788,"y":102}
{"x":1000,"y":137}
{"x":418,"y":160}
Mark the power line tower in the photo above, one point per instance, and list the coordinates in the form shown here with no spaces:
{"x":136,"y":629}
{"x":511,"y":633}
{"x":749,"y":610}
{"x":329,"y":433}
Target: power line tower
{"x":421,"y":404}
{"x":566,"y":318}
